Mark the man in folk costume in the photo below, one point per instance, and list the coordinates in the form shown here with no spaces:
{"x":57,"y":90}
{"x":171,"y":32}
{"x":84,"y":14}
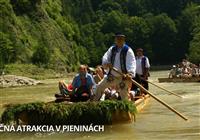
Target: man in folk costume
{"x":142,"y":68}
{"x":122,"y":57}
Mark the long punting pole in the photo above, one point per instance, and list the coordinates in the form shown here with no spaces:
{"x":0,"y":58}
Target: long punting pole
{"x":156,"y":98}
{"x":165,"y":89}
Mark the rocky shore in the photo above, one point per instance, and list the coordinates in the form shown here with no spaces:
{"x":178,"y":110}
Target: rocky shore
{"x":13,"y":81}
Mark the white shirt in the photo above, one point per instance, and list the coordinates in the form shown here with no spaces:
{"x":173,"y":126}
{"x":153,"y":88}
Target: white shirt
{"x":139,"y":65}
{"x":130,"y":61}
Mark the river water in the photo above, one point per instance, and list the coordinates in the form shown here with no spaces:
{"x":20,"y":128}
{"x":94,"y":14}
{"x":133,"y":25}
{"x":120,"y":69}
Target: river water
{"x":155,"y":122}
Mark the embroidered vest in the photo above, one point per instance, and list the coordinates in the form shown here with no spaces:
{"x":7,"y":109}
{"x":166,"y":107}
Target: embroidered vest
{"x":122,"y":57}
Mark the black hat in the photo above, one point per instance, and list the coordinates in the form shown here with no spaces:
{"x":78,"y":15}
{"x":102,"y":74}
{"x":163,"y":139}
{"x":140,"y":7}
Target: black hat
{"x":119,"y":35}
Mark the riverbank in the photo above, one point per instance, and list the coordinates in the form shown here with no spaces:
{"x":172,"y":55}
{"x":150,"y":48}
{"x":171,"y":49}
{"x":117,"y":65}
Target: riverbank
{"x":41,"y":73}
{"x":14,"y":81}
{"x":28,"y":74}
{"x":33,"y":71}
{"x":14,"y":75}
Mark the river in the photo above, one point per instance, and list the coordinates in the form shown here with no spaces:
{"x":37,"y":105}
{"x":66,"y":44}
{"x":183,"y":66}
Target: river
{"x":155,"y":122}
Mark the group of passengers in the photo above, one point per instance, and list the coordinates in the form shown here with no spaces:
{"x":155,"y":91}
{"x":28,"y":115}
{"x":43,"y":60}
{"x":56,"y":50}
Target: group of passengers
{"x":105,"y":83}
{"x":185,"y":69}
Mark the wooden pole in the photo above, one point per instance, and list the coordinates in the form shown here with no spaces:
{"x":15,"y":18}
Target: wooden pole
{"x":165,"y":89}
{"x":156,"y":98}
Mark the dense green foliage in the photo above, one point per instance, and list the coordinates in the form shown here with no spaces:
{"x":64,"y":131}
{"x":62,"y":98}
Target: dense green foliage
{"x":57,"y":33}
{"x":61,"y":113}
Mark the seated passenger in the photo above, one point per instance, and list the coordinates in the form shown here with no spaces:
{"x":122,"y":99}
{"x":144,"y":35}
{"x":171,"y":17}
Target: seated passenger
{"x":195,"y":71}
{"x":172,"y":73}
{"x":186,"y":73}
{"x":111,"y":93}
{"x":179,"y":70}
{"x":82,"y":85}
{"x":99,"y":74}
{"x":135,"y":94}
{"x":65,"y":89}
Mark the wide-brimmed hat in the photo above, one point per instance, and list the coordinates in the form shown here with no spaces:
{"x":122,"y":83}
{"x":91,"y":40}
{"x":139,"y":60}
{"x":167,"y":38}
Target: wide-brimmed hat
{"x":118,"y":34}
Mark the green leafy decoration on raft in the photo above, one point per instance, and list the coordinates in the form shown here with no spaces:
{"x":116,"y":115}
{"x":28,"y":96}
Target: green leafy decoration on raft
{"x":61,"y":113}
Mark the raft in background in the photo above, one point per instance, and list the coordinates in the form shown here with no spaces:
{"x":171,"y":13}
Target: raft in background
{"x":189,"y":79}
{"x":105,"y":112}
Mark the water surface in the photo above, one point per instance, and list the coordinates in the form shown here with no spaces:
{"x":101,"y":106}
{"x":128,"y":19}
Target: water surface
{"x":155,"y":122}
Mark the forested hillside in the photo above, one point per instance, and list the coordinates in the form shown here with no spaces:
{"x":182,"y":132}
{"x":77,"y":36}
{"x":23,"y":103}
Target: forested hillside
{"x":63,"y":33}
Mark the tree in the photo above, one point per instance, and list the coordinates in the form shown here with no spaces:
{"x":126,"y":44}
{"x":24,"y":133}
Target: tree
{"x":69,"y":32}
{"x":6,"y":49}
{"x":163,"y":34}
{"x":109,"y":5}
{"x":136,"y":7}
{"x":24,"y":6}
{"x":41,"y":56}
{"x":112,"y":22}
{"x":194,"y":50}
{"x":185,"y":26}
{"x":139,"y":32}
{"x":170,"y":7}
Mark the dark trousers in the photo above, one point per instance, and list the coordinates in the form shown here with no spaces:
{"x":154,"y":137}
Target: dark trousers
{"x":81,"y":94}
{"x":140,"y":80}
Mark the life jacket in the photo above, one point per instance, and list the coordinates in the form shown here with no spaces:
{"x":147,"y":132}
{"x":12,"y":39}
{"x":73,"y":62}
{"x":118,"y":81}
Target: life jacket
{"x":122,"y":57}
